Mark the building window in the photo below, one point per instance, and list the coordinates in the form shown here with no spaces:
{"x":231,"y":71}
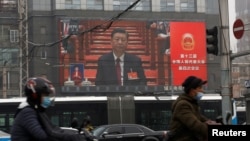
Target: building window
{"x":212,"y":7}
{"x":167,"y":5}
{"x":116,"y":5}
{"x":72,"y":4}
{"x":43,"y":30}
{"x":4,"y":33}
{"x":140,"y":6}
{"x":43,"y":54}
{"x":12,"y":83}
{"x":42,"y":5}
{"x":14,"y":36}
{"x":10,"y":55}
{"x":235,"y":69}
{"x":95,"y":4}
{"x":187,"y":5}
{"x":8,"y":5}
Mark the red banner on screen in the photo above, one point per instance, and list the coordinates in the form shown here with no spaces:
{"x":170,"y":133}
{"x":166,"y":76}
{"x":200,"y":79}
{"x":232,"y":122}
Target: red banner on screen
{"x":188,"y":50}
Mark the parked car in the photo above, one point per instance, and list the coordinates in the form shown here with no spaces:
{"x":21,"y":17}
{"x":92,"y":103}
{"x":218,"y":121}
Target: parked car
{"x":127,"y":132}
{"x":70,"y":130}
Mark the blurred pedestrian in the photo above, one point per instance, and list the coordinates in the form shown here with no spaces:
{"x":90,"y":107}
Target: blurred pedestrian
{"x":74,"y":123}
{"x":86,"y":124}
{"x":187,"y":122}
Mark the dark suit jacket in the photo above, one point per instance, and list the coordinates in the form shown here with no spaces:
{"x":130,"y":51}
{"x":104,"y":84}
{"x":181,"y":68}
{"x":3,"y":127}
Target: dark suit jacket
{"x":106,"y":72}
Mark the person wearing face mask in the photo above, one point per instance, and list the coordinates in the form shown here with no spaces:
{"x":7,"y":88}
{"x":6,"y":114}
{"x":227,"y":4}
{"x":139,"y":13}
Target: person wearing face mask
{"x":187,"y":123}
{"x":30,"y":120}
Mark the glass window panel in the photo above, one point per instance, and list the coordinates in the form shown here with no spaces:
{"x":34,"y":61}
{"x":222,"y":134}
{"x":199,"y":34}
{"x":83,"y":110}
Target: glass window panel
{"x":4,"y":33}
{"x":9,"y":55}
{"x":114,"y":130}
{"x":55,"y":120}
{"x":184,"y":5}
{"x":14,"y":37}
{"x":212,"y":7}
{"x":43,"y":54}
{"x":129,"y":130}
{"x":12,"y":83}
{"x":36,"y":1}
{"x":115,"y":2}
{"x":95,"y":4}
{"x":187,"y":5}
{"x":11,"y":119}
{"x":116,"y":7}
{"x":14,"y":58}
{"x":72,"y":4}
{"x":43,"y":5}
{"x":68,"y":1}
{"x":66,"y":118}
{"x":2,"y":119}
{"x":167,"y":5}
{"x":36,"y":6}
{"x":8,"y":5}
{"x":76,"y":2}
{"x":43,"y":30}
{"x":140,"y":6}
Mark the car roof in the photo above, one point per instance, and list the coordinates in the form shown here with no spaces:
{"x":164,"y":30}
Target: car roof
{"x":123,"y":124}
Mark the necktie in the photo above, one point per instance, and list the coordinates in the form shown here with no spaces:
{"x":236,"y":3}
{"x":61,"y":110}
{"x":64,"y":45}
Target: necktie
{"x":118,"y":70}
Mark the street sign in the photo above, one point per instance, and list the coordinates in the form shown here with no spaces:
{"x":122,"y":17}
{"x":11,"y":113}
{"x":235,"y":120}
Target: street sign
{"x":238,"y":28}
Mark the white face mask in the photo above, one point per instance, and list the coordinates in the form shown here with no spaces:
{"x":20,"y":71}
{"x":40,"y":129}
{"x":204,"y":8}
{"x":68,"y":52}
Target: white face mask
{"x":199,"y":96}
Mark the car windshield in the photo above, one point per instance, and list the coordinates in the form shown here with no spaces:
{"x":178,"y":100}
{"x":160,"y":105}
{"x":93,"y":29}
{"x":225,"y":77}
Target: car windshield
{"x":97,"y":131}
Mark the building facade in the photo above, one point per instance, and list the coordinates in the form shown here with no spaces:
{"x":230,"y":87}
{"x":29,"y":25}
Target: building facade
{"x":240,"y":65}
{"x":44,"y":40}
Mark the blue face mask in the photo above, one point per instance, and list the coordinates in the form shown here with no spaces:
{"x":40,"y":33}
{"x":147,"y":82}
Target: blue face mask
{"x":198,"y":96}
{"x":46,"y":102}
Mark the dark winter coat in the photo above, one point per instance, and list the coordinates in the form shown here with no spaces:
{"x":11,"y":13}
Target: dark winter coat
{"x":187,"y":123}
{"x":27,"y":127}
{"x":31,"y":124}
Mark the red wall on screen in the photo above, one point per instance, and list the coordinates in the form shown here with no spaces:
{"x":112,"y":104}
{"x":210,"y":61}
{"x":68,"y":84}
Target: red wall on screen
{"x":188,"y":50}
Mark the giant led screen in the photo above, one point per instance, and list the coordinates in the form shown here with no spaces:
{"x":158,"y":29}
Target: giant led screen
{"x":169,"y":51}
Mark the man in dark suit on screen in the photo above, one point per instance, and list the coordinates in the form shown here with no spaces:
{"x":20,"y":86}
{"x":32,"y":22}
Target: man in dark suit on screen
{"x":119,"y":67}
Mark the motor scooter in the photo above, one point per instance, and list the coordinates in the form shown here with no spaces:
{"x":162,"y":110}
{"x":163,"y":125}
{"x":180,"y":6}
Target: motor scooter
{"x":219,"y":119}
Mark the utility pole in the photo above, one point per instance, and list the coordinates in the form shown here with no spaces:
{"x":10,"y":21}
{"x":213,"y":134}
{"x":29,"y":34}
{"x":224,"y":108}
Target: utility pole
{"x":226,"y":87}
{"x":4,"y":80}
{"x":23,"y":51}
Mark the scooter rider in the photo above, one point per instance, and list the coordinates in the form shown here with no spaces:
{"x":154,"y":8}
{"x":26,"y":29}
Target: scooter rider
{"x":31,"y":122}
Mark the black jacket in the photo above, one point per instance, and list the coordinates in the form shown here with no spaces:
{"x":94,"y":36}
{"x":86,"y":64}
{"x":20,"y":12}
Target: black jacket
{"x":27,"y":127}
{"x":31,"y":124}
